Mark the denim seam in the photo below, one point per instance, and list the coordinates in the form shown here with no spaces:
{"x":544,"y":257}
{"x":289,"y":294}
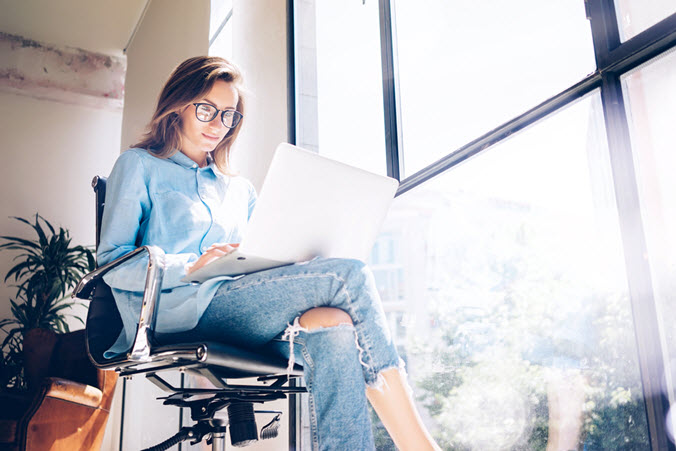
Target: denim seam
{"x":314,"y":427}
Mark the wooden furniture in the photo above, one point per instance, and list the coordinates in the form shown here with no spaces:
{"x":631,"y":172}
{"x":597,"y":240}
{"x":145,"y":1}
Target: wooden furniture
{"x":68,"y":402}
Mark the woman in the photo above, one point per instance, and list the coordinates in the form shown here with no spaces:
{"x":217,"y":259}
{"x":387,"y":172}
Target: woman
{"x":175,"y":190}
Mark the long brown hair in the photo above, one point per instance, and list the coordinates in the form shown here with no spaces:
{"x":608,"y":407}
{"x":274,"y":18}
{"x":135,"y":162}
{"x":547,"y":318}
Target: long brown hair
{"x":189,"y":82}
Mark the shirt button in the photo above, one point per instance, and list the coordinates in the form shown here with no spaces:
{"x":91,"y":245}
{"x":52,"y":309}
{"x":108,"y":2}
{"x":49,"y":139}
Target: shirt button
{"x":194,"y":166}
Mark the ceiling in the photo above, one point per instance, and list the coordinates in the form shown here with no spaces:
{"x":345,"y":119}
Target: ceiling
{"x":102,"y":26}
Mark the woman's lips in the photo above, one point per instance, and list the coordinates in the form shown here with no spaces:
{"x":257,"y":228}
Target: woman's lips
{"x":210,"y":137}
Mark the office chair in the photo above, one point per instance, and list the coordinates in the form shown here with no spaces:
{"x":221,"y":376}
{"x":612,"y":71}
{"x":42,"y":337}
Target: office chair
{"x":218,"y":362}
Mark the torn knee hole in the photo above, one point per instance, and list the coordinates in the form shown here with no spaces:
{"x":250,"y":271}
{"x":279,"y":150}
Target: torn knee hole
{"x":324,"y":317}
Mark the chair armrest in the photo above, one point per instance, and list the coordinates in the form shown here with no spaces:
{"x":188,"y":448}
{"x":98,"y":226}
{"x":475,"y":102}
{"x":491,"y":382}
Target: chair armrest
{"x":85,"y":288}
{"x":75,"y":392}
{"x":140,"y":351}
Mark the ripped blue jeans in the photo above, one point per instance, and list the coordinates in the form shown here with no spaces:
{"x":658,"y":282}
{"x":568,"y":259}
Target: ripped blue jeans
{"x":262,"y":309}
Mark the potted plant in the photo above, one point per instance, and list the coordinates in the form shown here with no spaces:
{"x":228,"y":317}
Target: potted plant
{"x":47,"y":270}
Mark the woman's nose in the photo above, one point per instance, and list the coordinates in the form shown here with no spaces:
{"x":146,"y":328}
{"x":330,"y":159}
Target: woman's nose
{"x":216,"y":125}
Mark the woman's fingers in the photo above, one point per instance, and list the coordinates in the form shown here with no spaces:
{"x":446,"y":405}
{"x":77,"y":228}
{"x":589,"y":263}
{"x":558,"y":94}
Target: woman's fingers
{"x":215,"y":250}
{"x":210,"y":255}
{"x":227,"y":247}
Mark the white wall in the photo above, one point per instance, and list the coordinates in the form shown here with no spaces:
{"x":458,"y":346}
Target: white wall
{"x":171,"y":31}
{"x":50,"y":152}
{"x":259,"y":49}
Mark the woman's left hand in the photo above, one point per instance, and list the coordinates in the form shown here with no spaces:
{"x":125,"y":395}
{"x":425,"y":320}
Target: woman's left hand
{"x":225,"y":247}
{"x":215,"y":251}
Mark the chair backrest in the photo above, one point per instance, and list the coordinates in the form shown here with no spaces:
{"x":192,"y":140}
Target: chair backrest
{"x":99,"y":185}
{"x":103,"y":319}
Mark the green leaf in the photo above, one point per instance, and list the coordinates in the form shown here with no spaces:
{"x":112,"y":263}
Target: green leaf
{"x":47,"y":267}
{"x":22,"y":220}
{"x":51,"y":229}
{"x":11,"y":336}
{"x":16,"y":241}
{"x":41,"y":234}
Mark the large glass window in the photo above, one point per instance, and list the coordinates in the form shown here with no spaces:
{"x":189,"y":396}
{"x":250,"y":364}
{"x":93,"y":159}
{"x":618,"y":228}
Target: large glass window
{"x":339,"y":98}
{"x":504,"y":277}
{"x":520,"y":334}
{"x":466,"y":67}
{"x":635,"y":16}
{"x":650,"y":95}
{"x":220,"y":28}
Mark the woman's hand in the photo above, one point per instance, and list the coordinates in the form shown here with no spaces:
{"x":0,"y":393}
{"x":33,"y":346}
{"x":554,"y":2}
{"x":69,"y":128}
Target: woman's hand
{"x":215,"y":250}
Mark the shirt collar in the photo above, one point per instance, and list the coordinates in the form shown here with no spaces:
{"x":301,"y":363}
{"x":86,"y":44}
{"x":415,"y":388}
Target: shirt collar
{"x":182,"y":159}
{"x":211,"y":163}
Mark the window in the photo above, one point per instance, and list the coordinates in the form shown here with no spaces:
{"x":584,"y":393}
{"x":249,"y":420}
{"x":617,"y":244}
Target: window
{"x":339,"y":98}
{"x":466,"y":67}
{"x":527,"y":263}
{"x":528,"y":286}
{"x":635,"y":16}
{"x":220,"y":28}
{"x":650,"y":93}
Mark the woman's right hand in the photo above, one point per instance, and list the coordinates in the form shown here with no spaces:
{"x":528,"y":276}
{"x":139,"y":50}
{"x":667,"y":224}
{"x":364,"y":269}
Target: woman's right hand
{"x":215,"y":251}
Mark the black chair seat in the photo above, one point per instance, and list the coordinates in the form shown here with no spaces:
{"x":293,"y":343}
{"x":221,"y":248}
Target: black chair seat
{"x":104,"y":325}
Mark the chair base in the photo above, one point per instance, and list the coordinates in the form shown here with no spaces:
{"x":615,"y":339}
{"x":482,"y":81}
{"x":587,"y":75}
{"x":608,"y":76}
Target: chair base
{"x":214,"y":431}
{"x":204,"y":403}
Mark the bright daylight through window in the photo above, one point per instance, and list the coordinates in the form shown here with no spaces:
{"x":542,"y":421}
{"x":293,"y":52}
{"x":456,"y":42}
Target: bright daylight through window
{"x":518,"y":319}
{"x":510,"y":278}
{"x":467,"y":68}
{"x":651,"y":98}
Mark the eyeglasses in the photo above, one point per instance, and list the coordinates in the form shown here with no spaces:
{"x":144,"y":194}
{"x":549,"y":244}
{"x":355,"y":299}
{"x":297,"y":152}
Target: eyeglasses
{"x":206,"y":112}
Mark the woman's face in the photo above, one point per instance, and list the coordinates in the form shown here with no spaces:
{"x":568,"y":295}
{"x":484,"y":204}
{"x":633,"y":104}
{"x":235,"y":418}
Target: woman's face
{"x":199,"y":138}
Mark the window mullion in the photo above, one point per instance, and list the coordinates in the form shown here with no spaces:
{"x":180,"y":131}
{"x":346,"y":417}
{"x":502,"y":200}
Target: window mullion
{"x":635,"y":249}
{"x":605,"y":31}
{"x":393,"y":144}
{"x":220,"y":27}
{"x":652,"y":42}
{"x":503,"y":131}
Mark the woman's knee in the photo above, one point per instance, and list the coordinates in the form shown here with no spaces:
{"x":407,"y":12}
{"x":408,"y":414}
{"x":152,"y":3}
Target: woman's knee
{"x":324,"y":317}
{"x":353,"y":267}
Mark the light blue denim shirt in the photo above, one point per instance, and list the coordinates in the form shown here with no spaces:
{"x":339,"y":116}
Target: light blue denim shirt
{"x":181,"y":208}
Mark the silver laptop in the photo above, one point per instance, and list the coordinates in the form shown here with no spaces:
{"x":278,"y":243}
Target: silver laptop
{"x":309,"y":206}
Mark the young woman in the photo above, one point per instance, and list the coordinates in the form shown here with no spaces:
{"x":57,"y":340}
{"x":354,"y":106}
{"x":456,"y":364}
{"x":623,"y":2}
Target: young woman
{"x":175,"y":190}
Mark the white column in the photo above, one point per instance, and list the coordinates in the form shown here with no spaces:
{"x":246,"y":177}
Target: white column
{"x":259,"y":48}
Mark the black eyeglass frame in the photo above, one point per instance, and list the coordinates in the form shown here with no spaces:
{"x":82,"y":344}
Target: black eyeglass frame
{"x":237,"y":116}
